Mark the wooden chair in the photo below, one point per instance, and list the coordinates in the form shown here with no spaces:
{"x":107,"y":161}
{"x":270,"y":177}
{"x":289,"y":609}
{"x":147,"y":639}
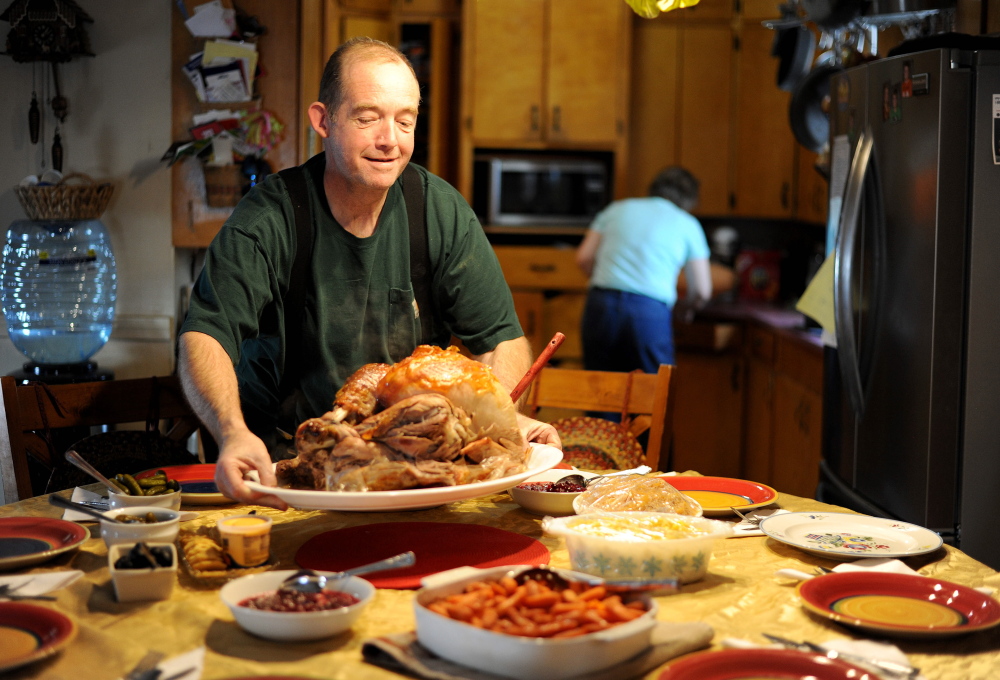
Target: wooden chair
{"x":30,"y":415}
{"x":648,"y":398}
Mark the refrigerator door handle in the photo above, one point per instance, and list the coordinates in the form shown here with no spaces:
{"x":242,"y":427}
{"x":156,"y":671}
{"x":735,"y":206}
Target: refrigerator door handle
{"x":843,"y":271}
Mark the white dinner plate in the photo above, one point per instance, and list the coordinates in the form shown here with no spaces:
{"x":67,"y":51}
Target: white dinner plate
{"x":540,"y":458}
{"x":841,"y":535}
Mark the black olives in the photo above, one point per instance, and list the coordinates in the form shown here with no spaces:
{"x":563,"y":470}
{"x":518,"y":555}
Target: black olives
{"x":139,"y":557}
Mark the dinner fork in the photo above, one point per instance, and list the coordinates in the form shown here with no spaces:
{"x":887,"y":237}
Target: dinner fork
{"x":749,"y":519}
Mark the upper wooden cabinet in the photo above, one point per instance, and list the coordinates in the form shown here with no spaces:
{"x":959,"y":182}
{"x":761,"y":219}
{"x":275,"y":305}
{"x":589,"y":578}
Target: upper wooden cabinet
{"x":704,"y":95}
{"x":544,"y":74}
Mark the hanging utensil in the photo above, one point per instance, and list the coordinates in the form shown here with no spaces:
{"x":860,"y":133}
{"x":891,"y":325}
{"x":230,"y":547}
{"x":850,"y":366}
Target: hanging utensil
{"x":542,"y":359}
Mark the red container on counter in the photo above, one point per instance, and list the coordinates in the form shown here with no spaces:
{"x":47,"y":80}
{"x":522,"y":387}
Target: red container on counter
{"x":759,"y":273}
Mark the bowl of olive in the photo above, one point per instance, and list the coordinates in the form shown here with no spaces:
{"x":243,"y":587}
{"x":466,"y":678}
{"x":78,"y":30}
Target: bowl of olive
{"x":144,"y":571}
{"x":137,"y":524}
{"x":156,"y":490}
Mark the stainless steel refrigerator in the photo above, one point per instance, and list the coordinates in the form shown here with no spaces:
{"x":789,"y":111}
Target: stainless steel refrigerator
{"x":912,"y":409}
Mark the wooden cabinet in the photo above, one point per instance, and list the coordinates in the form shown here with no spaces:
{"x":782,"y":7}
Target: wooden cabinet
{"x":549,"y":293}
{"x":765,"y":149}
{"x":543,"y":74}
{"x":784,"y":404}
{"x":707,"y":391}
{"x":704,"y":96}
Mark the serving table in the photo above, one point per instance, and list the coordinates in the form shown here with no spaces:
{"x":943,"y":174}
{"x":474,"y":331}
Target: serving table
{"x":740,"y":598}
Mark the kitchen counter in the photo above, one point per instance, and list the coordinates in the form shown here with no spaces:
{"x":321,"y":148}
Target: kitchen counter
{"x":788,"y":322}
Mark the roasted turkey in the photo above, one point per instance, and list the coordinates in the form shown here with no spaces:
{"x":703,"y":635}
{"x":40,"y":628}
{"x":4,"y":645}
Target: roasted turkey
{"x":435,"y":418}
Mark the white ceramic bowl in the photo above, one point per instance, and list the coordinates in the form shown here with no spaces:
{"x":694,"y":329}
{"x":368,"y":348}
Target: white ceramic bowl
{"x":626,"y":556}
{"x":170,"y":500}
{"x":524,"y":658}
{"x":133,"y":585}
{"x":164,"y":531}
{"x":552,"y":503}
{"x":293,"y":626}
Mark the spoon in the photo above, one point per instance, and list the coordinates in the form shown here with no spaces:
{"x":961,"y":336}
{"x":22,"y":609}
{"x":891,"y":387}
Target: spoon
{"x":78,"y":460}
{"x":587,"y":481}
{"x":308,"y":581}
{"x":56,"y":499}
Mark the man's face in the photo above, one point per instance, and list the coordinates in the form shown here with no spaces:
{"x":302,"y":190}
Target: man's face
{"x":371,"y":133}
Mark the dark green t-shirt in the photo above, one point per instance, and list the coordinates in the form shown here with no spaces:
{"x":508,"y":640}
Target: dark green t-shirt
{"x":359,"y":304}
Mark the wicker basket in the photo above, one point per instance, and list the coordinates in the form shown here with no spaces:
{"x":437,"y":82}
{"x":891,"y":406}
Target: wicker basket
{"x":223,"y":185}
{"x":66,"y":201}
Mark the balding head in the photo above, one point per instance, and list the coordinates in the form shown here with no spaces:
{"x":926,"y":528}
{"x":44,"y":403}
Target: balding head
{"x":362,"y":48}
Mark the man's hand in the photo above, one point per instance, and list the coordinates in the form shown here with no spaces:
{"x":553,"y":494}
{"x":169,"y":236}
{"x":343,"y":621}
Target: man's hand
{"x":538,"y":432}
{"x":240,"y":454}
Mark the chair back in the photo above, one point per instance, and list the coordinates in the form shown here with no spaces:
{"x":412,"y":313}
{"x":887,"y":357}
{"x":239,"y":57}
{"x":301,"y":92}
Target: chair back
{"x":32,"y":416}
{"x":648,"y":398}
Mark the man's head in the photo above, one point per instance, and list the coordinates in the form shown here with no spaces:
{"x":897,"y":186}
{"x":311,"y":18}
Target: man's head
{"x":367,"y":113}
{"x":677,"y":185}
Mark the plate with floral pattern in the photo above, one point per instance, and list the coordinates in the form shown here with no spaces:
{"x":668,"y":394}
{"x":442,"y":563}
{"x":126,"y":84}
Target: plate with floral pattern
{"x":844,"y":536}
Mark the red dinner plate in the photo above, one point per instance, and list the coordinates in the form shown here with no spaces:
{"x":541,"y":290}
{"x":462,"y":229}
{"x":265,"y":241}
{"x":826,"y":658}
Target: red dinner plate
{"x":30,"y":633}
{"x":30,"y":540}
{"x":718,"y":494}
{"x":899,"y":605}
{"x":438,"y":547}
{"x":765,"y":664}
{"x":197,"y":483}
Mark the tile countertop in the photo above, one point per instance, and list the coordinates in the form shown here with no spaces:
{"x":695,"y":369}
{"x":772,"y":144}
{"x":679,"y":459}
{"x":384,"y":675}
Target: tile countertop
{"x":786,"y":321}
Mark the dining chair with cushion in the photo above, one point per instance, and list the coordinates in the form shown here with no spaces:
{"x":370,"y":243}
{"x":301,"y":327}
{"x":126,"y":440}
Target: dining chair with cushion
{"x":643,"y":399}
{"x":39,"y":422}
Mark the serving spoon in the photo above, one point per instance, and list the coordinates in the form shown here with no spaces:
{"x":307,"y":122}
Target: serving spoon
{"x":56,"y":499}
{"x":308,"y":581}
{"x":79,"y":461}
{"x":587,"y":481}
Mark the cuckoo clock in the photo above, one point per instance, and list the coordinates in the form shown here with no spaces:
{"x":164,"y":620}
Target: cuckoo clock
{"x":48,"y":31}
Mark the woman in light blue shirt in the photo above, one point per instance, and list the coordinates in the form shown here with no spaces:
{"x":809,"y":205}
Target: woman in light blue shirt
{"x":633,"y":252}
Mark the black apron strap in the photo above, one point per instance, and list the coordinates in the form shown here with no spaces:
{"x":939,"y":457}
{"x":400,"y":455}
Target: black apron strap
{"x":420,"y":259}
{"x":295,"y":297}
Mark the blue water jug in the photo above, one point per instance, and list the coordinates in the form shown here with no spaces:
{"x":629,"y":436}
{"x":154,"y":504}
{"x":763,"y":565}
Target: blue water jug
{"x":59,"y":288}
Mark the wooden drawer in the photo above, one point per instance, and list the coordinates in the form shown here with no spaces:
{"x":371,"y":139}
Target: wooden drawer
{"x":761,"y":343}
{"x":541,"y":268}
{"x":701,"y":336}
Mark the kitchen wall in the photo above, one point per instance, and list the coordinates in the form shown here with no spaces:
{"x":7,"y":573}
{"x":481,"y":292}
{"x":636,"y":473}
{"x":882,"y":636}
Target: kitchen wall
{"x":117,"y":128}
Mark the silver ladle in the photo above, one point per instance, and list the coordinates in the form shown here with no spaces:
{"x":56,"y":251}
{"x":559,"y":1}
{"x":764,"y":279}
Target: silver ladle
{"x":308,"y":581}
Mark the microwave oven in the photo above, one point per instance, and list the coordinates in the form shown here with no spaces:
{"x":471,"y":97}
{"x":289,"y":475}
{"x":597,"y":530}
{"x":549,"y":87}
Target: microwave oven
{"x":538,"y":190}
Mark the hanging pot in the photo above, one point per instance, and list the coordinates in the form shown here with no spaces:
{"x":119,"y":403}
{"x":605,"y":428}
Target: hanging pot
{"x":794,"y":47}
{"x":808,"y":109}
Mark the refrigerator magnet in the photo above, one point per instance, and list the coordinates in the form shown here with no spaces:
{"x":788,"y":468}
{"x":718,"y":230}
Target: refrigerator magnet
{"x":906,"y":89}
{"x":996,"y":129}
{"x":921,"y":84}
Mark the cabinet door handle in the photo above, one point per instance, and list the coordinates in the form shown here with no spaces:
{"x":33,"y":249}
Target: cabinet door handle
{"x":785,"y":188}
{"x":542,"y":268}
{"x":556,"y":119}
{"x":534,"y":118}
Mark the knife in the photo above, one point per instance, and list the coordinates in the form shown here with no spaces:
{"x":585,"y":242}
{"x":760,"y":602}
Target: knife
{"x":882,"y":665}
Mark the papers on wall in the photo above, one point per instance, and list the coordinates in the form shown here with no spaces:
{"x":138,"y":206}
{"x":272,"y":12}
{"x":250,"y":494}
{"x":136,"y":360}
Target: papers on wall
{"x":211,"y":20}
{"x":223,"y":71}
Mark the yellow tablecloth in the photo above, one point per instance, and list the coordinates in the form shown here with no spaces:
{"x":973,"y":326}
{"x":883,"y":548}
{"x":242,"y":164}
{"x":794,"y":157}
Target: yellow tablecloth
{"x":740,"y":597}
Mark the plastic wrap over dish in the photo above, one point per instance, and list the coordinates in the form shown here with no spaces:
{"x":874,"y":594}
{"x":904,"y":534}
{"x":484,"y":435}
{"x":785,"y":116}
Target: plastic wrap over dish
{"x":621,"y":493}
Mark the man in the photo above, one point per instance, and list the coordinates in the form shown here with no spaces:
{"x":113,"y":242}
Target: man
{"x":359,"y":307}
{"x":633,"y":254}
